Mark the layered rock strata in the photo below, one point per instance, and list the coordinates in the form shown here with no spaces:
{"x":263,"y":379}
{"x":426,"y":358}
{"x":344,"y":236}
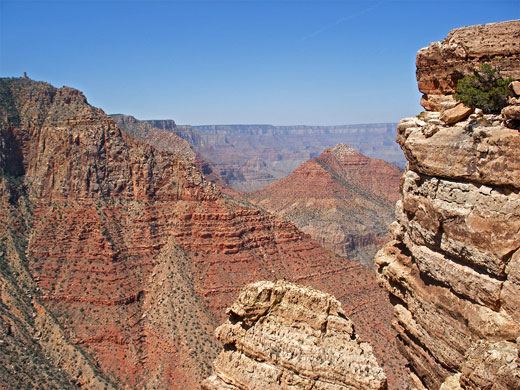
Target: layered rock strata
{"x":117,"y":260}
{"x":280,"y":335}
{"x":452,"y":269}
{"x":342,"y":198}
{"x":161,"y":139}
{"x":164,"y":135}
{"x":442,"y":64}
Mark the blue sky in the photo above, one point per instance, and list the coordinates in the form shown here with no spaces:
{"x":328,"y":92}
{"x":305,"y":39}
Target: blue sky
{"x":216,"y":62}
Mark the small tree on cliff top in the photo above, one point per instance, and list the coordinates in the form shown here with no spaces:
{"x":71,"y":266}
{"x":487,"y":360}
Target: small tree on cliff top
{"x":484,"y":89}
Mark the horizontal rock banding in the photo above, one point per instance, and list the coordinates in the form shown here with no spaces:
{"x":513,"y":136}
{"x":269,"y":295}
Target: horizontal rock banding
{"x":452,"y":269}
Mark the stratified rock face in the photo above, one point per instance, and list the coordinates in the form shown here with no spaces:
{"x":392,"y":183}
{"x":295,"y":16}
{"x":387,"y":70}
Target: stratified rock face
{"x":442,"y":64}
{"x":342,"y":198}
{"x":280,"y":335}
{"x":164,"y":135}
{"x":452,"y":269}
{"x":117,"y":259}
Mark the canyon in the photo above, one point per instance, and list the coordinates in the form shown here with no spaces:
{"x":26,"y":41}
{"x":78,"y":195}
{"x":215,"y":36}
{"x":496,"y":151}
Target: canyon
{"x":119,"y":259}
{"x":452,"y":267}
{"x":342,"y":198}
{"x":250,"y":157}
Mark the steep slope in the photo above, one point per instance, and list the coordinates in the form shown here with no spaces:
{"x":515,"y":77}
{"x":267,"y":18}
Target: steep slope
{"x":119,"y":259}
{"x":342,"y":198}
{"x":452,"y":269}
{"x":281,"y":335}
{"x":250,"y":157}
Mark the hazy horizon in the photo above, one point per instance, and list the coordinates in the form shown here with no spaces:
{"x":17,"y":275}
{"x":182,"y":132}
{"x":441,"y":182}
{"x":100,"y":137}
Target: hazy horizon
{"x":282,"y":62}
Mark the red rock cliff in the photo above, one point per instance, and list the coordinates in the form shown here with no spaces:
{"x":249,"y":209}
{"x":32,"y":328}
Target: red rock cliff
{"x":118,"y":259}
{"x":452,"y":269}
{"x":342,"y":198}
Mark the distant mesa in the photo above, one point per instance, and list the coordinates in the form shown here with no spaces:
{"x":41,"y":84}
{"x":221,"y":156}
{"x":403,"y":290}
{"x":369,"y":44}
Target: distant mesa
{"x":250,"y":157}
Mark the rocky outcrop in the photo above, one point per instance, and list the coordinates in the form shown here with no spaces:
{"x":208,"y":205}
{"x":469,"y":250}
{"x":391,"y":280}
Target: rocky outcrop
{"x":164,"y":135}
{"x":442,"y":64}
{"x":161,"y":139}
{"x":342,"y":198}
{"x":117,"y":259}
{"x":452,"y":267}
{"x":281,"y":335}
{"x":511,"y":113}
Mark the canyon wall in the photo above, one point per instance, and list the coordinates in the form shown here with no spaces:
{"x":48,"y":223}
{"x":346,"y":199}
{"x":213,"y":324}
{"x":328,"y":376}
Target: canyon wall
{"x":117,"y":259}
{"x":453,"y":267}
{"x":165,"y":139}
{"x":164,"y":135}
{"x":281,"y":336}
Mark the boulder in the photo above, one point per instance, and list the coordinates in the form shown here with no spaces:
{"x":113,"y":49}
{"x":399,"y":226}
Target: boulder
{"x":456,"y":114}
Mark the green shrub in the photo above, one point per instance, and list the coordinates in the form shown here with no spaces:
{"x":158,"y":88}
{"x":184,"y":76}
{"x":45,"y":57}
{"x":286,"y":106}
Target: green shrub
{"x":484,"y":89}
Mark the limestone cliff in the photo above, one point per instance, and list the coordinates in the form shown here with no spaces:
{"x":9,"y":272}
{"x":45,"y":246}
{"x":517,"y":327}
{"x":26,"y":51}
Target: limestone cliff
{"x":117,"y":259}
{"x":453,"y":267}
{"x":280,"y":335}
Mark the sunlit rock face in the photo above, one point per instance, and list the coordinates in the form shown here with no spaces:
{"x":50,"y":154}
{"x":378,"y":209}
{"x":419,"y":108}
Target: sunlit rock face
{"x":118,"y":259}
{"x":342,"y":198}
{"x":452,"y":269}
{"x":282,"y":336}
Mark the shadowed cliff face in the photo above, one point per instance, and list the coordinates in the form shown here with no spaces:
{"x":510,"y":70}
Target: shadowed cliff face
{"x":452,"y":269}
{"x":342,"y":198}
{"x":118,"y":259}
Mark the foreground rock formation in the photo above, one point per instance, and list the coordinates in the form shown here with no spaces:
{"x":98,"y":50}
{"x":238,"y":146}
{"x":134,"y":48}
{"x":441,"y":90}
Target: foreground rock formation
{"x":442,"y":64}
{"x":453,"y":267}
{"x":280,"y":335}
{"x":117,"y":260}
{"x":342,"y":198}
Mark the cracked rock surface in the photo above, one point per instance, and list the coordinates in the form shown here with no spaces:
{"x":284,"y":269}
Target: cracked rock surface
{"x":283,"y":336}
{"x":453,"y":267}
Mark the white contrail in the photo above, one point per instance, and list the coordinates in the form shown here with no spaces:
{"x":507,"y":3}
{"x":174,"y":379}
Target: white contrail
{"x":340,"y":21}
